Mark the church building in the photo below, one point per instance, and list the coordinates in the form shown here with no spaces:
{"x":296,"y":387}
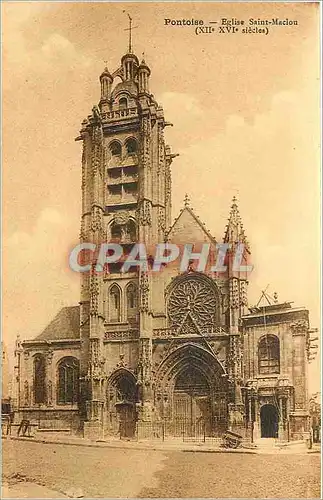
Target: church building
{"x":171,"y":352}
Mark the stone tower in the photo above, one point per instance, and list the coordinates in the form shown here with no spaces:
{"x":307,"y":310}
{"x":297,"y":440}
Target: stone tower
{"x":126,"y":198}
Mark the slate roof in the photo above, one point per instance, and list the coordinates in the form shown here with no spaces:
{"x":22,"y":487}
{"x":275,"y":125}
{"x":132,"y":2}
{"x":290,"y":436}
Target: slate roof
{"x":65,"y":325}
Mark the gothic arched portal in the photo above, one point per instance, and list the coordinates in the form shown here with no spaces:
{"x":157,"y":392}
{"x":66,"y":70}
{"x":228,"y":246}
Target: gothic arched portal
{"x":192,"y":391}
{"x":121,"y":402}
{"x":192,"y":401}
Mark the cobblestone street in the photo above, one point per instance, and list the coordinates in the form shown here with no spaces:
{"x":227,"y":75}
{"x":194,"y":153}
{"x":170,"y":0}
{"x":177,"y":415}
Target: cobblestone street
{"x":59,"y":471}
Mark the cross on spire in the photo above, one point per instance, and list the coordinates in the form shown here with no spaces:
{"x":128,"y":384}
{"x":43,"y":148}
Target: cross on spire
{"x":130,"y":31}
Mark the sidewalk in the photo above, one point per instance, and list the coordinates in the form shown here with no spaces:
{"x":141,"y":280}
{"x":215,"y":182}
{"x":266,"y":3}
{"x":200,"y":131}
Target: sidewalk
{"x":169,"y":445}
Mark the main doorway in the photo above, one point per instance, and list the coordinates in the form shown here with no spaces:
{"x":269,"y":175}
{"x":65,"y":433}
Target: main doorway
{"x":192,"y":404}
{"x":269,"y":421}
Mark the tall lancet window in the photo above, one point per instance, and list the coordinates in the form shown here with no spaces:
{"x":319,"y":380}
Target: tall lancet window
{"x":131,"y":297}
{"x":68,"y":380}
{"x":131,"y":232}
{"x":269,"y":355}
{"x":131,"y":146}
{"x":115,"y":148}
{"x":116,"y":232}
{"x":39,"y":379}
{"x":115,"y":303}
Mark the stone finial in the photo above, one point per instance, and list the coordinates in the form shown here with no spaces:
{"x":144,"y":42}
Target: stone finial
{"x":186,"y":200}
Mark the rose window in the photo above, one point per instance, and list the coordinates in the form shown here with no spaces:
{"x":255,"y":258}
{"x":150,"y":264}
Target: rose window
{"x":192,"y":300}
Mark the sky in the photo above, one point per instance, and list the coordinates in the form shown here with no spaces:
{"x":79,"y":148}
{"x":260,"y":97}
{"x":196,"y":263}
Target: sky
{"x":246,"y":116}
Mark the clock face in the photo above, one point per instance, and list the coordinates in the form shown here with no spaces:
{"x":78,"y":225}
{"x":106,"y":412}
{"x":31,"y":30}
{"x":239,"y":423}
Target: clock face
{"x":193,"y":299}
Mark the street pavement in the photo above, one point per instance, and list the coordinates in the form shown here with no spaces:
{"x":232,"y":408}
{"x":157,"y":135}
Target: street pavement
{"x":38,"y":470}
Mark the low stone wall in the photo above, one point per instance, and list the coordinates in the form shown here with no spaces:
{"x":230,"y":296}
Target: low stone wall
{"x":51,"y":419}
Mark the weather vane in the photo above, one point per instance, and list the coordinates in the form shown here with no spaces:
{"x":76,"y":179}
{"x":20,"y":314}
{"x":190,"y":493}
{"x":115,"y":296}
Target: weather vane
{"x":130,"y":31}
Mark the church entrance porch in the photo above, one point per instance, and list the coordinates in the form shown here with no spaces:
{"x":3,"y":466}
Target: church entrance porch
{"x":269,"y":420}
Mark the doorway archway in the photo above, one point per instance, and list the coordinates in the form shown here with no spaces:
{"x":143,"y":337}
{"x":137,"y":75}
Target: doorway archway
{"x":193,"y":392}
{"x":192,"y":401}
{"x":269,"y":419}
{"x":122,"y":400}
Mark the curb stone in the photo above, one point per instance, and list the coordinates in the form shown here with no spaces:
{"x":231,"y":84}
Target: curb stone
{"x":158,"y":447}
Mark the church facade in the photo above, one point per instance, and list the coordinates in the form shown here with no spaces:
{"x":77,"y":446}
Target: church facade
{"x":177,"y":350}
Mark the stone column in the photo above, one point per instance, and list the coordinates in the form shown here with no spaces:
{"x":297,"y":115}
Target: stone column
{"x":49,"y":377}
{"x":145,"y":408}
{"x":288,"y":415}
{"x":93,"y":427}
{"x":236,"y":407}
{"x":250,"y":419}
{"x":92,"y":230}
{"x":281,"y":432}
{"x":256,"y":425}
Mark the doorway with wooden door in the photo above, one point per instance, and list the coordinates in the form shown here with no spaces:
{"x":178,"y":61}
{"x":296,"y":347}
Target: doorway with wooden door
{"x":191,"y":403}
{"x":122,"y":404}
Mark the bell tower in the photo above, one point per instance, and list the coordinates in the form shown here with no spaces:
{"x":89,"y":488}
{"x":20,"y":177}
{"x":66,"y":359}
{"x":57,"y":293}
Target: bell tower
{"x":126,"y":198}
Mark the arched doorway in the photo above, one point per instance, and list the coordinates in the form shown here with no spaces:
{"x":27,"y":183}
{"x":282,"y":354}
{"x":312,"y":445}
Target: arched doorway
{"x":122,"y":400}
{"x":269,"y":421}
{"x":191,"y":402}
{"x":193,"y":395}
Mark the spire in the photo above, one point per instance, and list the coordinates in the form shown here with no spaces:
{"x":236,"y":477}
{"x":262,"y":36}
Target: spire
{"x":129,"y":62}
{"x":234,"y":231}
{"x":130,"y":32}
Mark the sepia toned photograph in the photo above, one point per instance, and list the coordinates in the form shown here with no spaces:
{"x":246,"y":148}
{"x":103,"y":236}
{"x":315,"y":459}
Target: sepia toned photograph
{"x":161,"y":249}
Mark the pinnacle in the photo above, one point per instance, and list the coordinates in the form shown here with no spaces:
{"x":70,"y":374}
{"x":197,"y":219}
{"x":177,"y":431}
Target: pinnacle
{"x":235,"y":224}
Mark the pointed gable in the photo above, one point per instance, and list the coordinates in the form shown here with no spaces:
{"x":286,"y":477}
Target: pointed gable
{"x":188,"y":228}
